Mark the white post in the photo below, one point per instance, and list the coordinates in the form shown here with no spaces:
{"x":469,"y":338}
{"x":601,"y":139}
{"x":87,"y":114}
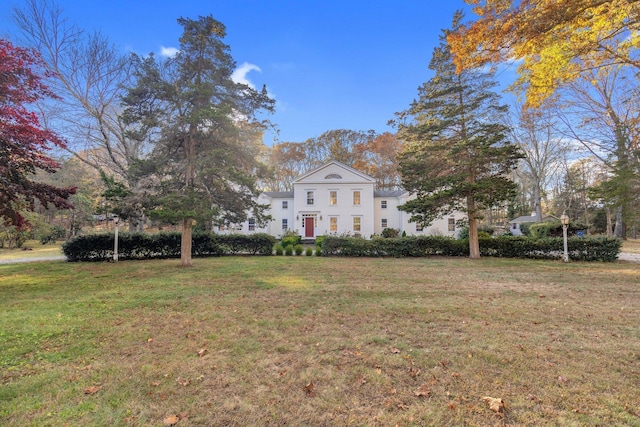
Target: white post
{"x":566,"y":248}
{"x":564,"y":219}
{"x":115,"y":239}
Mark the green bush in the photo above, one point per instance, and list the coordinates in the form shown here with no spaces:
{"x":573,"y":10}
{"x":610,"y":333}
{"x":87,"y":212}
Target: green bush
{"x":580,"y":249}
{"x":54,"y":233}
{"x":279,"y":249}
{"x":288,"y":250}
{"x":309,"y":251}
{"x":290,"y":238}
{"x":389,"y":233}
{"x":483,"y":230}
{"x":298,"y":249}
{"x":99,"y":247}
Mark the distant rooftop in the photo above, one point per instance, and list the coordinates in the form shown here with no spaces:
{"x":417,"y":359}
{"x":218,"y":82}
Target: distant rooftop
{"x":279,"y":194}
{"x":388,"y":193}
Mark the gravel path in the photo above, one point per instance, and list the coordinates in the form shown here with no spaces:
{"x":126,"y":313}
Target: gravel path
{"x":22,"y":260}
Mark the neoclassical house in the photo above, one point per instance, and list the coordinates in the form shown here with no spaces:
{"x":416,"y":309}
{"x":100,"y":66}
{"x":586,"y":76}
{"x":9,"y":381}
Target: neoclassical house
{"x":337,"y":199}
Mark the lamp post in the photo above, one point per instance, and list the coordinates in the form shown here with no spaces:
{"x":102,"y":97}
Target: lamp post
{"x":116,"y":220}
{"x":564,"y":219}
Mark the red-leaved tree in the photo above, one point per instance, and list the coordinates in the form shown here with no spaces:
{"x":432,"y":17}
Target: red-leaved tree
{"x":23,"y":141}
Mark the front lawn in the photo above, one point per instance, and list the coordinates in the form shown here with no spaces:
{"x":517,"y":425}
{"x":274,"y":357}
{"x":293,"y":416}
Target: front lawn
{"x":241,"y":341}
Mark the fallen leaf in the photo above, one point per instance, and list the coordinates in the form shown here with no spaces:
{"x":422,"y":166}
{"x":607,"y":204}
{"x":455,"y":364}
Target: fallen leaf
{"x":562,"y":379}
{"x":423,"y":391}
{"x":310,"y":389}
{"x":202,"y":352}
{"x":455,"y":375}
{"x":496,"y":404}
{"x":395,"y":350}
{"x":171,"y":420}
{"x":93,"y":389}
{"x":184,"y":382}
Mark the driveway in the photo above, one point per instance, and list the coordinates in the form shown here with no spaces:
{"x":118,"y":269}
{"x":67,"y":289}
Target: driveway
{"x":33,"y":259}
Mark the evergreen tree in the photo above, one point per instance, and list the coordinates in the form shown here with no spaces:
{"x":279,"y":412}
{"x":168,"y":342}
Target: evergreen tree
{"x":456,"y":155}
{"x":205,"y":134}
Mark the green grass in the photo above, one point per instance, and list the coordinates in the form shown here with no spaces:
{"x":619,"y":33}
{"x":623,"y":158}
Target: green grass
{"x":320,"y":341}
{"x":32,"y":249}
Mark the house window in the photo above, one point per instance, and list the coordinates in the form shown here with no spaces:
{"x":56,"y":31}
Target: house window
{"x":452,"y":224}
{"x":310,"y":198}
{"x":418,"y":226}
{"x":383,"y":204}
{"x":252,"y":224}
{"x":285,"y":224}
{"x":333,"y":224}
{"x":356,"y":198}
{"x":285,"y":204}
{"x":333,"y":197}
{"x":384,"y":222}
{"x":357,"y":224}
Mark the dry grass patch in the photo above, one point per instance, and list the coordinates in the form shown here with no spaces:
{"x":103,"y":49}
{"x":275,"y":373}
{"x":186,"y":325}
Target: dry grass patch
{"x":320,"y":341}
{"x":631,"y":246}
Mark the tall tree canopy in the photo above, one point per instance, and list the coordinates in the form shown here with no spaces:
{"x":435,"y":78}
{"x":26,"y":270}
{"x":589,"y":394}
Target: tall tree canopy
{"x":456,"y":155}
{"x":368,"y":152}
{"x":203,"y":126}
{"x":556,"y":40}
{"x":23,"y":141}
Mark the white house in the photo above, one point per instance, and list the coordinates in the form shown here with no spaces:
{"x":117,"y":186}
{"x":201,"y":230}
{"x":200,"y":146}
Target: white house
{"x":514,"y":224}
{"x":337,"y":199}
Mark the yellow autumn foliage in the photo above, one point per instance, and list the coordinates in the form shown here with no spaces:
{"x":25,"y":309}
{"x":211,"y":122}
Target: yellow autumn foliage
{"x":554,"y":41}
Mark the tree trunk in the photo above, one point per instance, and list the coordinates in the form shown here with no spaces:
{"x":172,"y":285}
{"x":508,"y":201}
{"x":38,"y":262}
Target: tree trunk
{"x":474,"y":244}
{"x":537,"y":201}
{"x":185,"y":243}
{"x":618,"y":231}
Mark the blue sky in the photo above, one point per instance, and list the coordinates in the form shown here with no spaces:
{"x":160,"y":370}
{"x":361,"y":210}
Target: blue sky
{"x":330,"y":64}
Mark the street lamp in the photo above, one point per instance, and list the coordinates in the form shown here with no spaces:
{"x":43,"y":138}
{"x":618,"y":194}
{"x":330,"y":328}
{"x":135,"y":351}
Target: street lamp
{"x":564,"y":219}
{"x":116,"y":220}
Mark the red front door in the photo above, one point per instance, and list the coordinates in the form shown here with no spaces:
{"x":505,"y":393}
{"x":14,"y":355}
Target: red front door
{"x":308,"y":226}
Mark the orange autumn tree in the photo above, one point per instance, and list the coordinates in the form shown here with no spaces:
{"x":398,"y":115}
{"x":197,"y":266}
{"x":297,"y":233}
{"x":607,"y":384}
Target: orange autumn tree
{"x":555,"y":41}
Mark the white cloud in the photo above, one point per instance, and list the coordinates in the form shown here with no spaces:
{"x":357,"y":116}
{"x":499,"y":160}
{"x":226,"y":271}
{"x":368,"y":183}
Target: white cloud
{"x":169,"y":52}
{"x":240,"y":74}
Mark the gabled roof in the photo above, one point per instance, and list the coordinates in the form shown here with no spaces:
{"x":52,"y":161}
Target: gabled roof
{"x":327,"y":173}
{"x":279,"y":194}
{"x":529,"y":218}
{"x":388,"y":193}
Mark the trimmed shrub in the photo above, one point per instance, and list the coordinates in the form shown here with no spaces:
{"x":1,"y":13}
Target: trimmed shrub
{"x":298,"y":249}
{"x":290,"y":238}
{"x":99,"y":247}
{"x":309,"y":251}
{"x":389,"y":233}
{"x":580,"y":249}
{"x":288,"y":250}
{"x":279,"y":249}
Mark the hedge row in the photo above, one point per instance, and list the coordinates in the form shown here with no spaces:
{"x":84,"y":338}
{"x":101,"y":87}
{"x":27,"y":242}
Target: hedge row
{"x":99,"y":247}
{"x":580,"y":249}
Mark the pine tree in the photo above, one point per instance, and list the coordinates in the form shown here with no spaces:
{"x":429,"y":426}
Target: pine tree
{"x":456,"y":155}
{"x":205,"y":135}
